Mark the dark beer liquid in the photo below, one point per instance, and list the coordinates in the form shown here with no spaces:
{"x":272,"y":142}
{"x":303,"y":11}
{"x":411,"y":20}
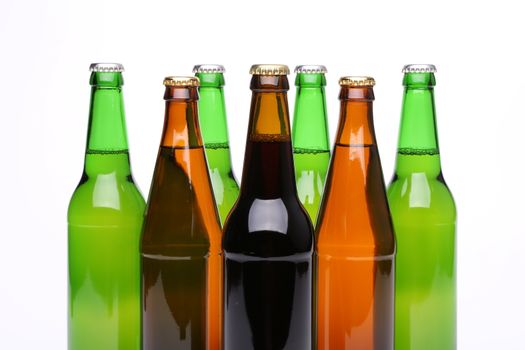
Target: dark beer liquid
{"x":177,"y":262}
{"x":268,"y":255}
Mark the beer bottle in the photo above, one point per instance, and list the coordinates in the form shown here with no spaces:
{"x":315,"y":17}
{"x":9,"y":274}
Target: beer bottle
{"x":104,"y":223}
{"x":181,"y":262}
{"x":424,"y":216}
{"x":355,"y":239}
{"x":212,"y":119}
{"x":310,"y":137}
{"x":268,"y":237}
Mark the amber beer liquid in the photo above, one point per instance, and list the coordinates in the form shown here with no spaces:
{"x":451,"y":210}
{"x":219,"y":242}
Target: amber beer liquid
{"x":355,"y":239}
{"x":181,"y":262}
{"x":268,"y":236}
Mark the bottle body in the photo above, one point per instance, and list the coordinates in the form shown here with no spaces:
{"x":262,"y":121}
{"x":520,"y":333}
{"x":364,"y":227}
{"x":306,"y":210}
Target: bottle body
{"x":105,"y":219}
{"x":268,"y":238}
{"x":177,"y":272}
{"x":310,"y":138}
{"x":424,"y":217}
{"x":104,"y":222}
{"x":268,"y":266}
{"x":355,"y":240}
{"x":180,"y":252}
{"x":212,"y":119}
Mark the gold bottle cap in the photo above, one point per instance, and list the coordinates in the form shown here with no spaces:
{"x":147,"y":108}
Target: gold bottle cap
{"x":310,"y":69}
{"x":269,"y":69}
{"x":419,"y":68}
{"x":357,"y":81}
{"x":182,"y":81}
{"x":106,"y":67}
{"x":209,"y":68}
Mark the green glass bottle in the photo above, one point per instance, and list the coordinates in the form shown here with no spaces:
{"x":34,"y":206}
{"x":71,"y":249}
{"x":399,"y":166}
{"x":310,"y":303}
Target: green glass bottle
{"x":424,"y":216}
{"x":310,"y":137}
{"x":212,"y":120}
{"x":104,"y":223}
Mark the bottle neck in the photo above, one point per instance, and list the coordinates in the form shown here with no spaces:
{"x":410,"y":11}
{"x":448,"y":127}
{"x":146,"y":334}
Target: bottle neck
{"x":310,"y":127}
{"x":181,"y":125}
{"x":107,"y":127}
{"x":418,"y":133}
{"x":356,"y":127}
{"x":268,"y":166}
{"x":212,"y":110}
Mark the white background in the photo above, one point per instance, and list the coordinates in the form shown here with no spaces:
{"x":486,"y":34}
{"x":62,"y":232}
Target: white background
{"x":45,"y":50}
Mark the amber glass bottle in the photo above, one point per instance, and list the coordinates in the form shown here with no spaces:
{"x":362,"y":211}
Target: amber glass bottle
{"x":181,"y":261}
{"x":268,"y":236}
{"x":355,"y":240}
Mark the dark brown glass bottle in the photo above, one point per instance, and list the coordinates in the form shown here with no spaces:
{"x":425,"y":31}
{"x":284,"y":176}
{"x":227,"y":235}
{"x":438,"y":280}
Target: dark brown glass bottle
{"x":181,"y":261}
{"x":355,"y":239}
{"x":268,"y":237}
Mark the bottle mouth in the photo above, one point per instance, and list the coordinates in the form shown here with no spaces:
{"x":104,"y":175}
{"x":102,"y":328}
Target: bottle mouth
{"x":106,"y":75}
{"x":419,"y":80}
{"x":181,"y":88}
{"x":310,"y":75}
{"x":419,"y":76}
{"x":209,"y":78}
{"x":269,"y":83}
{"x":357,"y":88}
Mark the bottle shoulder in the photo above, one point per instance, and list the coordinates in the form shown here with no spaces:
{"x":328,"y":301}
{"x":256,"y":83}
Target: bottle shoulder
{"x":105,"y":196}
{"x":268,"y":227}
{"x":423,"y":194}
{"x":225,"y":180}
{"x":179,"y":224}
{"x":181,"y":210}
{"x":354,"y":216}
{"x":356,"y":228}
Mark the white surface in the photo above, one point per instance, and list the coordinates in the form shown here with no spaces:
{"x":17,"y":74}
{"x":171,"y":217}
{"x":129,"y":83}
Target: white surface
{"x":47,"y":46}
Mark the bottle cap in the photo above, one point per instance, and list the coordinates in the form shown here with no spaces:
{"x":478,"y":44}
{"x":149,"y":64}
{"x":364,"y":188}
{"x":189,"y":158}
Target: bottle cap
{"x":419,"y":68}
{"x":209,"y":68}
{"x":181,"y":81}
{"x":106,"y":67}
{"x":310,"y":69}
{"x":269,"y":69}
{"x":357,"y":81}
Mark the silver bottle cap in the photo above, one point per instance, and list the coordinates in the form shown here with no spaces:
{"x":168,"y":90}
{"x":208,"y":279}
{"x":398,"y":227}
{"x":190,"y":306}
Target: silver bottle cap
{"x":106,"y":67}
{"x":419,"y":68}
{"x":310,"y":69}
{"x":209,"y":68}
